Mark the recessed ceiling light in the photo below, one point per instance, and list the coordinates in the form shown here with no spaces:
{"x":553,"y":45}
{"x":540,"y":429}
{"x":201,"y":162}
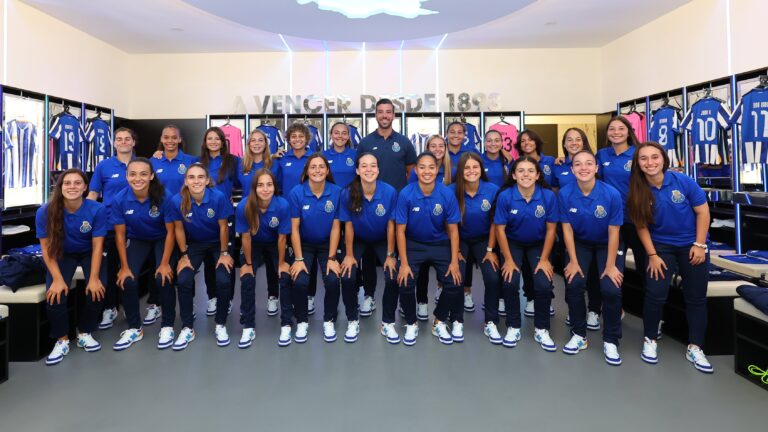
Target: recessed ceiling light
{"x":177,"y":29}
{"x":360,"y":9}
{"x":550,"y":23}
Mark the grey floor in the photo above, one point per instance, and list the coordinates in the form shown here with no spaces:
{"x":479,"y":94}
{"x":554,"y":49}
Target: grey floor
{"x":375,"y":386}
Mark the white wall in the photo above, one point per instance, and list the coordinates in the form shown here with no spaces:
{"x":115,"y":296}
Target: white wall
{"x":749,"y":19}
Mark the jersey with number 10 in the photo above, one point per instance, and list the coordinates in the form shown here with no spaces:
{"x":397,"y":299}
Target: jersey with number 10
{"x":68,"y":138}
{"x":707,"y":120}
{"x":752,"y":115}
{"x":665,"y":129}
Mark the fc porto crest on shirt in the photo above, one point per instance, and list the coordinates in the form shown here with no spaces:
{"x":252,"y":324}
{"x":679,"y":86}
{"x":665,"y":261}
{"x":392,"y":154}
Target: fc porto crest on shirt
{"x":328,"y":206}
{"x":677,"y":196}
{"x":85,"y":227}
{"x":600,"y":212}
{"x":211,"y":213}
{"x":350,"y":162}
{"x":181,"y":169}
{"x":485,"y":206}
{"x":438,"y":210}
{"x":539,"y":213}
{"x":274,"y":222}
{"x":395,"y":147}
{"x":546,"y":169}
{"x":154,"y":212}
{"x":628,"y":166}
{"x":380,"y":210}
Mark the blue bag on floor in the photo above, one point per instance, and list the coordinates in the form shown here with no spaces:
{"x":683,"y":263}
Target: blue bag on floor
{"x":18,"y":271}
{"x":756,"y":296}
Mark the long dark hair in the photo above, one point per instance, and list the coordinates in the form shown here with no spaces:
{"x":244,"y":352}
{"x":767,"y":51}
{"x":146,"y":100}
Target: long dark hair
{"x":228,"y":162}
{"x":631,"y":137}
{"x":584,"y":140}
{"x":328,"y":177}
{"x":510,"y":182}
{"x":55,"y":225}
{"x":533,"y":136}
{"x":253,"y":204}
{"x":156,"y":189}
{"x":349,"y":140}
{"x":640,"y":200}
{"x":461,"y":185}
{"x":186,"y":195}
{"x":355,"y":188}
{"x":504,"y":160}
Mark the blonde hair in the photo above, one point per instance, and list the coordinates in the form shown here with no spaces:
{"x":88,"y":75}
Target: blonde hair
{"x":446,"y":158}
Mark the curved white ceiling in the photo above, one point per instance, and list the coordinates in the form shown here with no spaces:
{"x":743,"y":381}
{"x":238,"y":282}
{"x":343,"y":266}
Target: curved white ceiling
{"x":308,"y":21}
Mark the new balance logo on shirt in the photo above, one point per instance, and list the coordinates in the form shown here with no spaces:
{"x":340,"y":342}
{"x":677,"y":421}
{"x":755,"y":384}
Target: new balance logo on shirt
{"x":129,"y":212}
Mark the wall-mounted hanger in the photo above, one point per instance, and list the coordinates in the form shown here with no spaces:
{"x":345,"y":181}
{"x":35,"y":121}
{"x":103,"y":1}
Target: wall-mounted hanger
{"x":763,"y":82}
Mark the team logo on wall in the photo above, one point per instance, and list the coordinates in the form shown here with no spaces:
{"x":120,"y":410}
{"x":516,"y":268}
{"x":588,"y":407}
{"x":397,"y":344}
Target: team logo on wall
{"x":485,"y":206}
{"x":211,"y":213}
{"x":85,"y":227}
{"x":350,"y":162}
{"x":547,"y":170}
{"x":395,"y":147}
{"x":182,"y":169}
{"x":628,"y":166}
{"x":677,"y":196}
{"x":154,"y":212}
{"x":539,"y":211}
{"x":438,"y":210}
{"x":329,"y":206}
{"x":600,"y":212}
{"x":380,"y":210}
{"x":274,"y":222}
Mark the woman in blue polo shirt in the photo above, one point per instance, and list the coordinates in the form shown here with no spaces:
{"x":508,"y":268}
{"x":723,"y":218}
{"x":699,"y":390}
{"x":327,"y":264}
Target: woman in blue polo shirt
{"x":456,"y":133}
{"x":143,"y":230}
{"x":107,"y":180}
{"x":673,"y":230}
{"x":367,"y":209}
{"x":341,"y":156}
{"x":475,"y":196}
{"x":315,"y":232}
{"x":530,"y":144}
{"x":71,"y":232}
{"x":170,"y":162}
{"x":525,"y":222}
{"x":591,"y":214}
{"x":427,"y":217}
{"x":263,"y":220}
{"x":495,"y":163}
{"x":200,"y":215}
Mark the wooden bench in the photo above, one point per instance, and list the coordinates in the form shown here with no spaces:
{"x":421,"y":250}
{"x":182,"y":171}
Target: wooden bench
{"x":751,"y":341}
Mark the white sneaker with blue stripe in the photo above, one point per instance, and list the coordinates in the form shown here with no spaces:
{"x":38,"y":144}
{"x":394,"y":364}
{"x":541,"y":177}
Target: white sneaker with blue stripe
{"x":457,"y":331}
{"x":329,"y":331}
{"x":186,"y":335}
{"x":541,"y":336}
{"x":649,"y":351}
{"x":411,"y":333}
{"x":60,"y":349}
{"x":422,"y":312}
{"x":285,"y":336}
{"x":302,"y":332}
{"x":440,"y":330}
{"x":502,"y":308}
{"x":388,"y":331}
{"x":353,"y":331}
{"x":695,"y":355}
{"x":246,"y":339}
{"x":165,"y":340}
{"x":128,"y":338}
{"x":593,"y":321}
{"x":108,"y":318}
{"x":87,"y":342}
{"x":511,"y":338}
{"x":310,"y":306}
{"x":222,"y":337}
{"x":611,"y":352}
{"x":154,"y":312}
{"x":492,"y":332}
{"x":576,"y":344}
{"x":211,"y":309}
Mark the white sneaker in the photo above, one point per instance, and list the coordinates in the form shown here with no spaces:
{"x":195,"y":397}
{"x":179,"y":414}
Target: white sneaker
{"x":440,"y":331}
{"x":695,"y":355}
{"x":649,"y":354}
{"x":659,"y":334}
{"x":166,"y":338}
{"x":502,"y":308}
{"x":422,"y":312}
{"x":511,"y":338}
{"x":411,"y":333}
{"x":457,"y":331}
{"x":542,"y":337}
{"x":60,"y":349}
{"x":285,"y":336}
{"x":329,"y":331}
{"x":186,"y":335}
{"x":388,"y":331}
{"x":247,"y":338}
{"x":576,"y":344}
{"x":229,"y":308}
{"x":469,"y":304}
{"x":353,"y":331}
{"x":568,"y":320}
{"x":551,"y":310}
{"x":272,"y":305}
{"x":529,"y":310}
{"x":127,"y":338}
{"x":492,"y":332}
{"x":593,"y":321}
{"x":87,"y":342}
{"x":611,"y":352}
{"x":108,"y":318}
{"x":367,"y":306}
{"x":302,"y":332}
{"x":222,"y":337}
{"x":310,"y":307}
{"x":211,"y":310}
{"x":153,"y":313}
{"x":438,"y":291}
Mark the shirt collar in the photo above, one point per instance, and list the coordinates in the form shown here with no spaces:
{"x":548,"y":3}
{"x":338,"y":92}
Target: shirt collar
{"x":668,"y":177}
{"x":629,"y":151}
{"x":536,"y":196}
{"x":180,"y":154}
{"x":308,"y":191}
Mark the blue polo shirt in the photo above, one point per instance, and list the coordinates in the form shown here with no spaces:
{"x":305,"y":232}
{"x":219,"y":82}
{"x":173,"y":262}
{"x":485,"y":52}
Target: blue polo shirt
{"x":370,"y":225}
{"x":547,"y":163}
{"x":226,"y":184}
{"x":562,"y":175}
{"x":615,"y":170}
{"x":201,"y":224}
{"x":80,"y":227}
{"x":316,"y":214}
{"x":171,"y":172}
{"x":526,"y":221}
{"x":393,"y":153}
{"x":142,"y":220}
{"x":275,"y":221}
{"x":591,"y":215}
{"x":289,"y":171}
{"x":108,"y":179}
{"x":439,"y":179}
{"x":477,"y":211}
{"x":425,"y":216}
{"x":342,"y":165}
{"x":496,"y":170}
{"x":673,"y":215}
{"x":455,"y":156}
{"x":245,"y":179}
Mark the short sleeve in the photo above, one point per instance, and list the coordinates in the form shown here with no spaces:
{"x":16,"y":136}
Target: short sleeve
{"x":617,"y":209}
{"x":344,"y":213}
{"x":241,"y":224}
{"x":41,"y":222}
{"x":172,"y":211}
{"x":392,"y":203}
{"x":295,"y":204}
{"x":562,"y":210}
{"x":502,"y":210}
{"x":410,"y":152}
{"x":401,"y":210}
{"x":552,"y":208}
{"x":225,"y":208}
{"x":100,"y":225}
{"x":117,"y":215}
{"x":285,"y":219}
{"x":454,"y":215}
{"x":96,"y":185}
{"x":695,"y":194}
